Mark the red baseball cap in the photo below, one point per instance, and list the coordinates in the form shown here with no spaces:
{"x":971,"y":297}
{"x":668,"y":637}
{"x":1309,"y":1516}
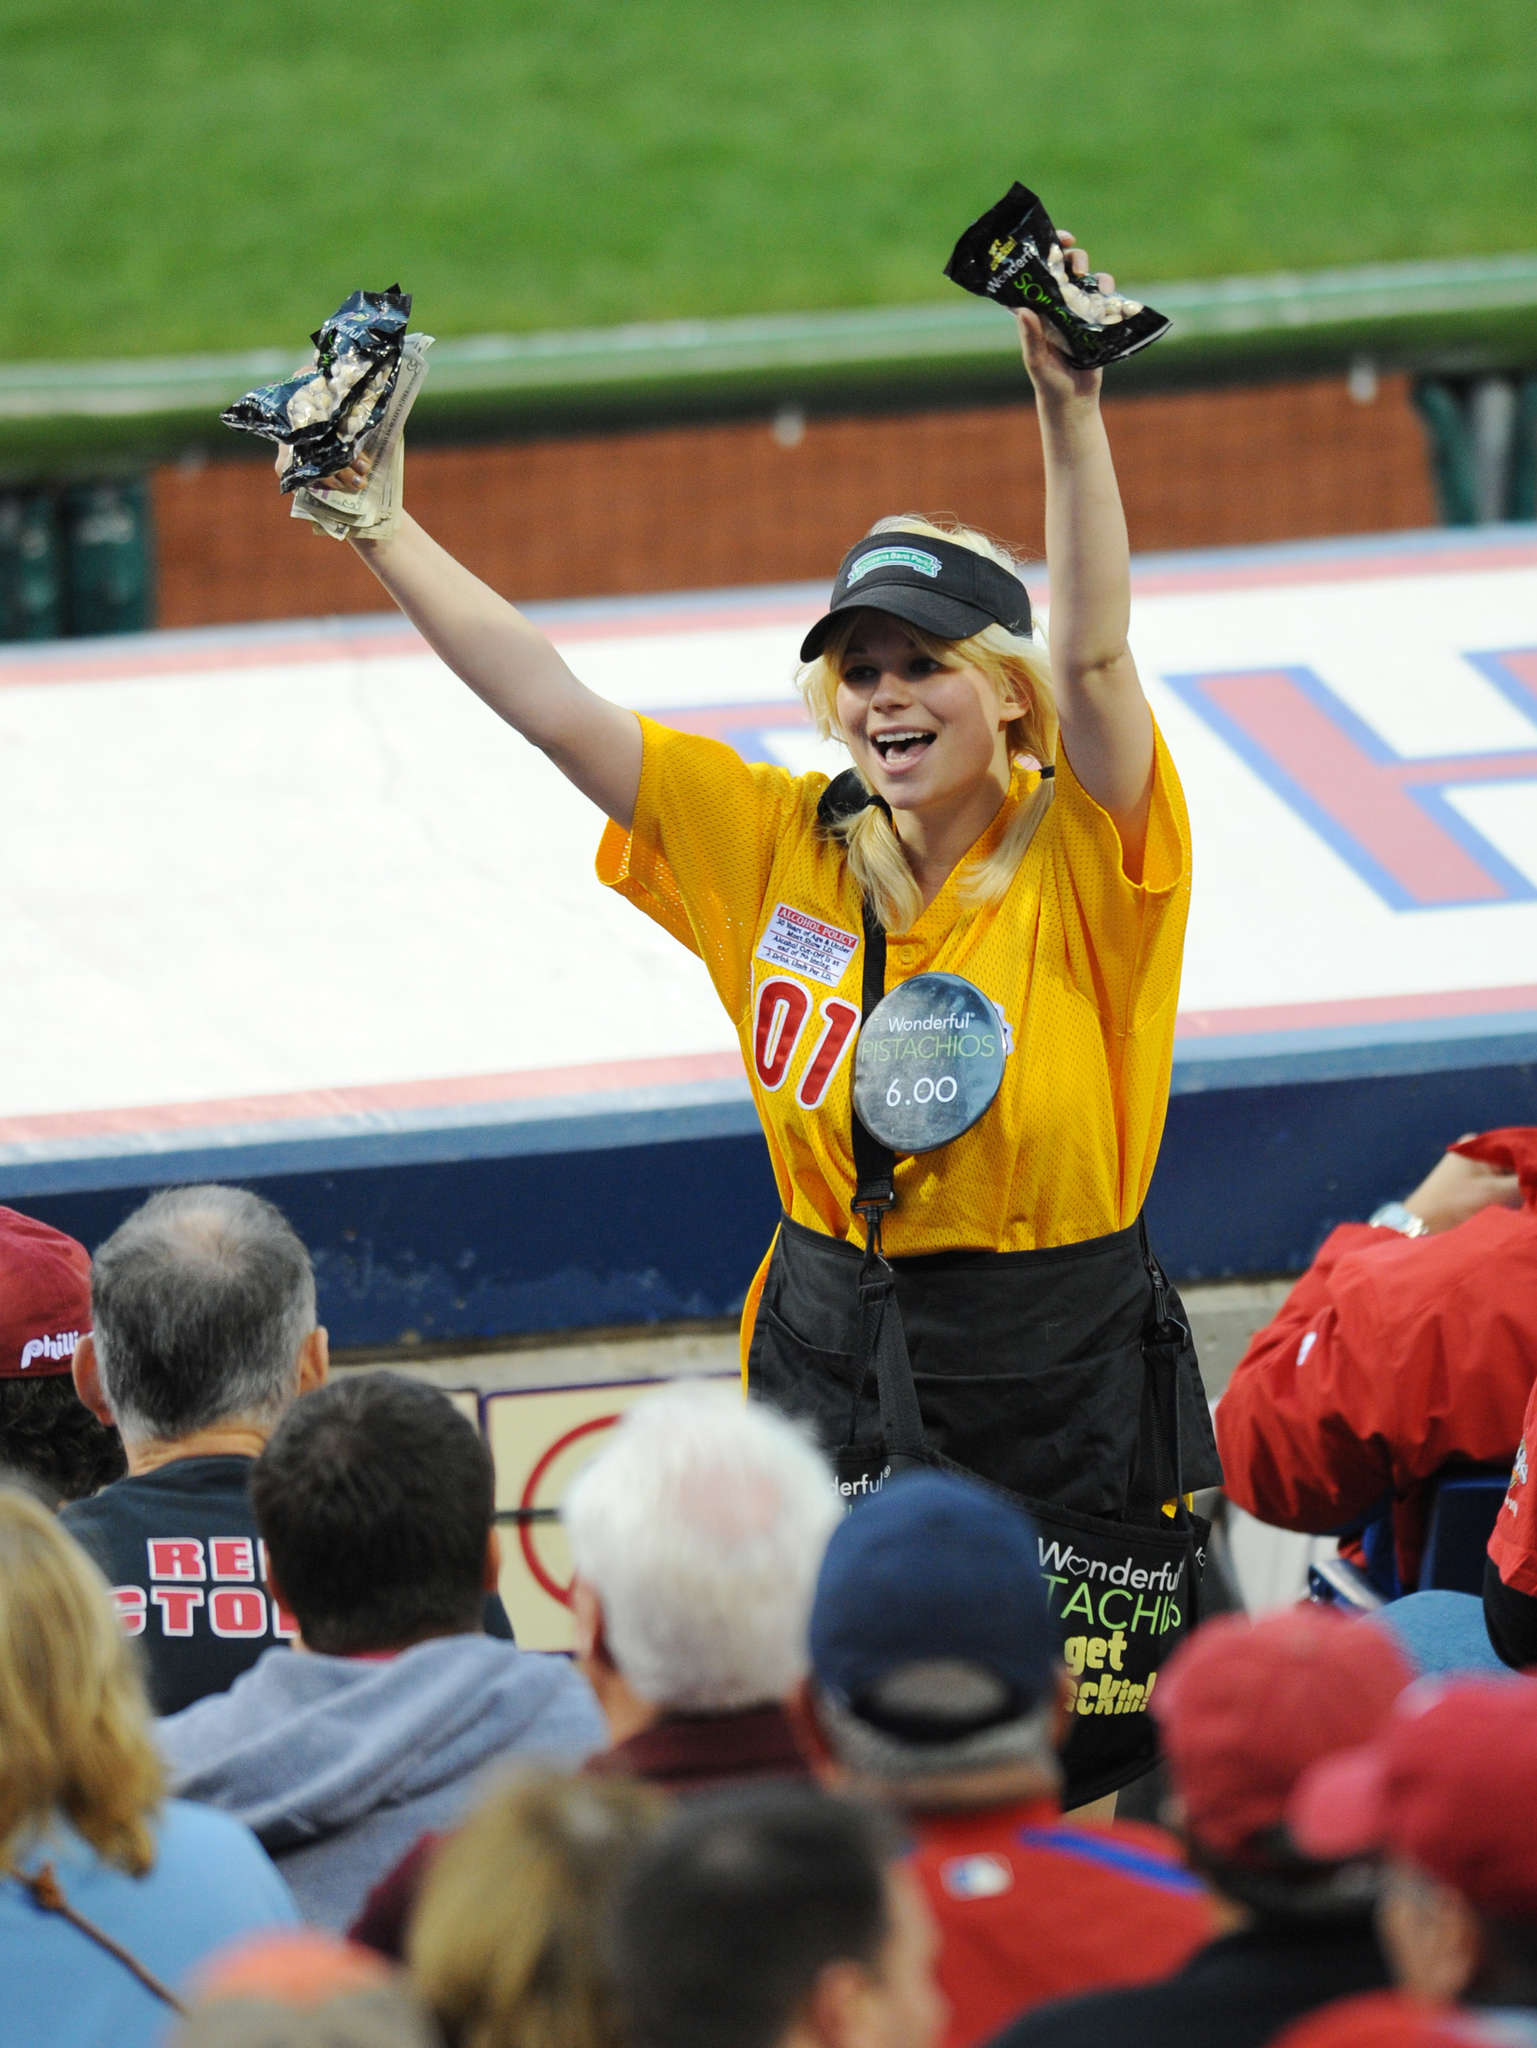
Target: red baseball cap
{"x":291,"y":1966}
{"x":45,"y":1297}
{"x":1244,"y":1707}
{"x":1390,"y":2019}
{"x":307,"y":1989}
{"x":1449,"y":1784}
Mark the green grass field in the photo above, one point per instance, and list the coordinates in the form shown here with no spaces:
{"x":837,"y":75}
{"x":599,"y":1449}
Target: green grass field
{"x":180,"y":176}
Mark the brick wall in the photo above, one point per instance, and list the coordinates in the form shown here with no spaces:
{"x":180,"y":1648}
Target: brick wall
{"x":698,"y":507}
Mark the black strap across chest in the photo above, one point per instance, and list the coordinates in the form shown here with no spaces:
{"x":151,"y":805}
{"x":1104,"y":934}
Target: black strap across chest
{"x":882,"y":1343}
{"x":875,"y":1164}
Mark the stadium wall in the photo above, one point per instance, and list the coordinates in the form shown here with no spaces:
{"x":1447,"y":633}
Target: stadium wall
{"x":621,"y":1210}
{"x":779,"y":499}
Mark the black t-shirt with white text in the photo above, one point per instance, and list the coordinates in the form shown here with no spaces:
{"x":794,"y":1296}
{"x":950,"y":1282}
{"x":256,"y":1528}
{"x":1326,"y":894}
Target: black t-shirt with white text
{"x":188,"y":1571}
{"x":179,"y":1548}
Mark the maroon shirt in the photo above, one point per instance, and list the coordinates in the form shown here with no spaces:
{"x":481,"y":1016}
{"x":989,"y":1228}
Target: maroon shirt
{"x":696,"y":1752}
{"x":683,"y":1753}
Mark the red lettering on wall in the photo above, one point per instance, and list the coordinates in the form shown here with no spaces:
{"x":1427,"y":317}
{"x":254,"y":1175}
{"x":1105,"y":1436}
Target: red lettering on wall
{"x":232,"y":1557}
{"x":176,"y":1557}
{"x":1392,"y":816}
{"x":177,"y":1606}
{"x":283,"y":1623}
{"x":237,"y":1611}
{"x":131,"y":1609}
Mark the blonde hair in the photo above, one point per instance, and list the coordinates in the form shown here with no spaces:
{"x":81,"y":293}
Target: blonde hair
{"x":1019,"y":668}
{"x":506,"y":1943}
{"x":74,"y":1719}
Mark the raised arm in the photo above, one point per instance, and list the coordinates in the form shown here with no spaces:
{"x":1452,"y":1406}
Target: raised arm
{"x":1107,"y":728}
{"x":511,"y":666}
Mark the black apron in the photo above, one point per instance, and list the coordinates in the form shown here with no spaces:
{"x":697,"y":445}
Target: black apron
{"x":1030,"y":1367}
{"x":1064,"y":1377}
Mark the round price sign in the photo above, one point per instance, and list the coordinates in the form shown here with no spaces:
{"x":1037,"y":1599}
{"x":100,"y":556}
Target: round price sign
{"x":928,"y":1062}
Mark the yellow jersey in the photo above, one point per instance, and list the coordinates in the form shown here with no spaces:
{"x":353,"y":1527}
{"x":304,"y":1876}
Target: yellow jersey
{"x":1081,"y":961}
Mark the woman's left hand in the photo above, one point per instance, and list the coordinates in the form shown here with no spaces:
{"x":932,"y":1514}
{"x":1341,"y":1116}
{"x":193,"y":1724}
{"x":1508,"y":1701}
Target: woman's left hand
{"x":1053,"y":376}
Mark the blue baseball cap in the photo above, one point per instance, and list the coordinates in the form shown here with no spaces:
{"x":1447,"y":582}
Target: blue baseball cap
{"x":934,"y":1571}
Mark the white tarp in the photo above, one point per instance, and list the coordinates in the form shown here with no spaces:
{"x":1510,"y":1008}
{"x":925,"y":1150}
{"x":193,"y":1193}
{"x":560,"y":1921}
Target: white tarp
{"x":262,"y":864}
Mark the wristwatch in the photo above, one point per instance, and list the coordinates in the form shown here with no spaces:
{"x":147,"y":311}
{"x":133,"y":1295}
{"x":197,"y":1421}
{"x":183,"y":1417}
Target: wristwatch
{"x":1394,"y":1216}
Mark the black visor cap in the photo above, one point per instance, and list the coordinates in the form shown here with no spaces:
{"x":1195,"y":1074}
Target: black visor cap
{"x":948,"y":590}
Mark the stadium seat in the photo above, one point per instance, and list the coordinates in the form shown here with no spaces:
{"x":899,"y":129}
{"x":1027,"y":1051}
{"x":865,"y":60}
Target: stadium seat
{"x":1463,"y":1507}
{"x":1457,"y":1536}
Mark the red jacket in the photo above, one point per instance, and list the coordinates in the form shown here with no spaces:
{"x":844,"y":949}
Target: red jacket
{"x":1031,"y":1907}
{"x":1513,"y":1543}
{"x":1391,"y":1356}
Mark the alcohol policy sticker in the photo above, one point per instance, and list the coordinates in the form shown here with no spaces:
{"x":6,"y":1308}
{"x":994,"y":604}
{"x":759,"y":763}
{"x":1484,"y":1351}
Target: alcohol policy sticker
{"x":928,"y":1062}
{"x":796,"y":940}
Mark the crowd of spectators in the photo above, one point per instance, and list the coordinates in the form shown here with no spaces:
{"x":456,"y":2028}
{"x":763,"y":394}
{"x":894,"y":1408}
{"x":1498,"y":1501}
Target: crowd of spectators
{"x":274,"y":1771}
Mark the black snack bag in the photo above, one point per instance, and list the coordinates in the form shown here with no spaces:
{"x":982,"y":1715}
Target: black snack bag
{"x":323,"y":412}
{"x":1012,"y":255}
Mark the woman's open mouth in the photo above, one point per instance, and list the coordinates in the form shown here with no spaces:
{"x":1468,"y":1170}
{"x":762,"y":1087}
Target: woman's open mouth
{"x":901,"y":746}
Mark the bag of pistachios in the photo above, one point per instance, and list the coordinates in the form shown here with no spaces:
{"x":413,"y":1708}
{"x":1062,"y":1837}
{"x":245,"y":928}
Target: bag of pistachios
{"x":327,"y":408}
{"x":1012,"y":255}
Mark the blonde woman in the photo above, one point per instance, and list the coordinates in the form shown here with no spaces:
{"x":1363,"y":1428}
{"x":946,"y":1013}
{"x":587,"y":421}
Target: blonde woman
{"x":109,"y":1893}
{"x":505,"y":1947}
{"x":1012,"y":818}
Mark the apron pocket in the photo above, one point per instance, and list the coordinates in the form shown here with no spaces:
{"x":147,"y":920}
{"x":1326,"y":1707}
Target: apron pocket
{"x":1063,"y":1433}
{"x":812,"y":1385}
{"x":1125,"y":1595}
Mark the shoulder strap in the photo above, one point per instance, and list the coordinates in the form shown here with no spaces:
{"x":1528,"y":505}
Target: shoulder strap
{"x":1162,"y":1337}
{"x":874,"y":1163}
{"x":882,"y":1341}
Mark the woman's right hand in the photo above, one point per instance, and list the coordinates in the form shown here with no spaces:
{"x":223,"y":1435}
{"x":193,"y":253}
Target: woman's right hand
{"x":353,"y":478}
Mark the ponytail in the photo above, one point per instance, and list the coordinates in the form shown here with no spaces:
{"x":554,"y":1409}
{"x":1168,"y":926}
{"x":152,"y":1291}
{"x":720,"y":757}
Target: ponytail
{"x":880,"y":867}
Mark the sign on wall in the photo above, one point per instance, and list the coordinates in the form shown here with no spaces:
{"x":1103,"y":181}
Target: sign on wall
{"x":540,"y":1440}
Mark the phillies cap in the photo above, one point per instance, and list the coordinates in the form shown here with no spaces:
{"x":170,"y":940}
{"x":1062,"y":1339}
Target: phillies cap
{"x":934,"y":1571}
{"x":1244,"y":1707}
{"x":1448,"y":1784}
{"x":947,"y":589}
{"x":45,"y":1297}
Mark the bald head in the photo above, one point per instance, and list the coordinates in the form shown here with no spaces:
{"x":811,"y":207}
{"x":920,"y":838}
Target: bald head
{"x":201,"y":1301}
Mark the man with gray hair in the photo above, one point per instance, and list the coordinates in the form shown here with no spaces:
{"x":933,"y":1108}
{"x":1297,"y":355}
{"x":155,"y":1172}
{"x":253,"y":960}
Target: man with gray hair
{"x":204,"y":1334}
{"x":938,"y":1684}
{"x":695,"y":1537}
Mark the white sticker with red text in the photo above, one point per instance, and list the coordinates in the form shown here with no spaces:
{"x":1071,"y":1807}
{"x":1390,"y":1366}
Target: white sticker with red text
{"x":795,"y":940}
